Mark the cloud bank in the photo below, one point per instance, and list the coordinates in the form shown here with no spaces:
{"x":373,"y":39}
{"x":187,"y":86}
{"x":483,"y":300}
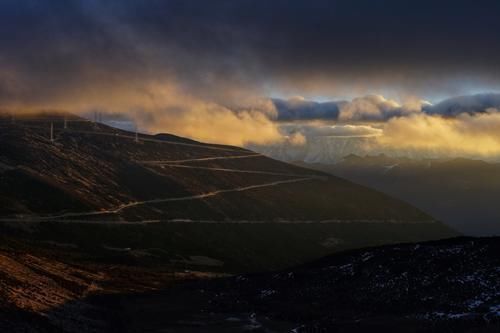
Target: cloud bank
{"x":474,"y":135}
{"x":217,"y":49}
{"x":466,"y":126}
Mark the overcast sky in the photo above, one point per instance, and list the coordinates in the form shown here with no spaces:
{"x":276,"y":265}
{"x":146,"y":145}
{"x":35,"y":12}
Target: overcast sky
{"x":238,"y":67}
{"x":281,"y":48}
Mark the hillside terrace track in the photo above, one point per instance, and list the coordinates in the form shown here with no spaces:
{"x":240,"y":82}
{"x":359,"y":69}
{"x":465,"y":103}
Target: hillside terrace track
{"x":175,"y":163}
{"x":163,"y":200}
{"x":246,"y":171}
{"x":209,"y":194}
{"x":202,"y":159}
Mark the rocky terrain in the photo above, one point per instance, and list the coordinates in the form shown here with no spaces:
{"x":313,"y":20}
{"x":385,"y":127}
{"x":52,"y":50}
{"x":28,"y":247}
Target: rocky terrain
{"x":59,"y":288}
{"x":440,"y":286}
{"x":444,"y":286}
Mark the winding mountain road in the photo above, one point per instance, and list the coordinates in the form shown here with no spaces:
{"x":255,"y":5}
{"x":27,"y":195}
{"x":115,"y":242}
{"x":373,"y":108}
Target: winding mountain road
{"x":161,"y":200}
{"x":174,"y":164}
{"x":270,"y":173}
{"x":202,"y":159}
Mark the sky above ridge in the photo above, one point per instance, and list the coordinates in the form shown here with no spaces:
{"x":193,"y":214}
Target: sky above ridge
{"x":235,"y":71}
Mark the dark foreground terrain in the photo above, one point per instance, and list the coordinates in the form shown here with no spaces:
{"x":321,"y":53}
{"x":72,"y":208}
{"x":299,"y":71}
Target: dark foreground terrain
{"x":444,"y":286}
{"x":227,"y":247}
{"x":441,"y":286}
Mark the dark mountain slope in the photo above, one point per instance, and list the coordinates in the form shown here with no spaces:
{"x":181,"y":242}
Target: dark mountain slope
{"x":443,"y":286}
{"x":91,"y":171}
{"x":460,"y":192}
{"x":97,"y":187}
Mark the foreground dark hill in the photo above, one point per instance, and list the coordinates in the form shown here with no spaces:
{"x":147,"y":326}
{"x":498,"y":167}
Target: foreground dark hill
{"x":460,"y":192}
{"x":440,"y":286}
{"x":91,"y":171}
{"x":444,"y":286}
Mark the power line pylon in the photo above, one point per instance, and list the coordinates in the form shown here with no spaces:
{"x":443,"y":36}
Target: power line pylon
{"x":52,"y":132}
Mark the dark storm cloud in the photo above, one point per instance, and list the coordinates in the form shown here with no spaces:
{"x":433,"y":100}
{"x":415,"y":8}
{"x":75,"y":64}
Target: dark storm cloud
{"x":300,"y":109}
{"x":218,"y":48}
{"x":377,"y":108}
{"x":369,"y":108}
{"x":471,"y":104}
{"x":52,"y":48}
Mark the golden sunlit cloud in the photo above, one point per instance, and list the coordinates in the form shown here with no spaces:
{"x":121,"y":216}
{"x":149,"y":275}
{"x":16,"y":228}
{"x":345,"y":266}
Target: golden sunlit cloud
{"x":164,"y":106}
{"x":172,"y":110}
{"x":466,"y":134}
{"x":214,"y":123}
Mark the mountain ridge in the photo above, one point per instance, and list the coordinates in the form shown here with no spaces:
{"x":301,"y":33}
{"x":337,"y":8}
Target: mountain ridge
{"x":87,"y":162}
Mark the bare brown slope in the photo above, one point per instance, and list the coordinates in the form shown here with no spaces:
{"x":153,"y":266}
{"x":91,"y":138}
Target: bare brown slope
{"x":92,"y":171}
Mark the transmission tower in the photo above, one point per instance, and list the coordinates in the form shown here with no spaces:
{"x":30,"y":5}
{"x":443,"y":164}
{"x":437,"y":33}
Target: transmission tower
{"x":51,"y":132}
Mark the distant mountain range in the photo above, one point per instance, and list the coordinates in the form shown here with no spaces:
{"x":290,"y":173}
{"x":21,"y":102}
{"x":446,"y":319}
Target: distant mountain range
{"x":333,"y":150}
{"x":320,"y":149}
{"x":460,"y":192}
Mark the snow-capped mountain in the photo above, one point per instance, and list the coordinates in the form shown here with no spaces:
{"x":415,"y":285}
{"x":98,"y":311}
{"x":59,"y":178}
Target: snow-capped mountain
{"x":321,"y":149}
